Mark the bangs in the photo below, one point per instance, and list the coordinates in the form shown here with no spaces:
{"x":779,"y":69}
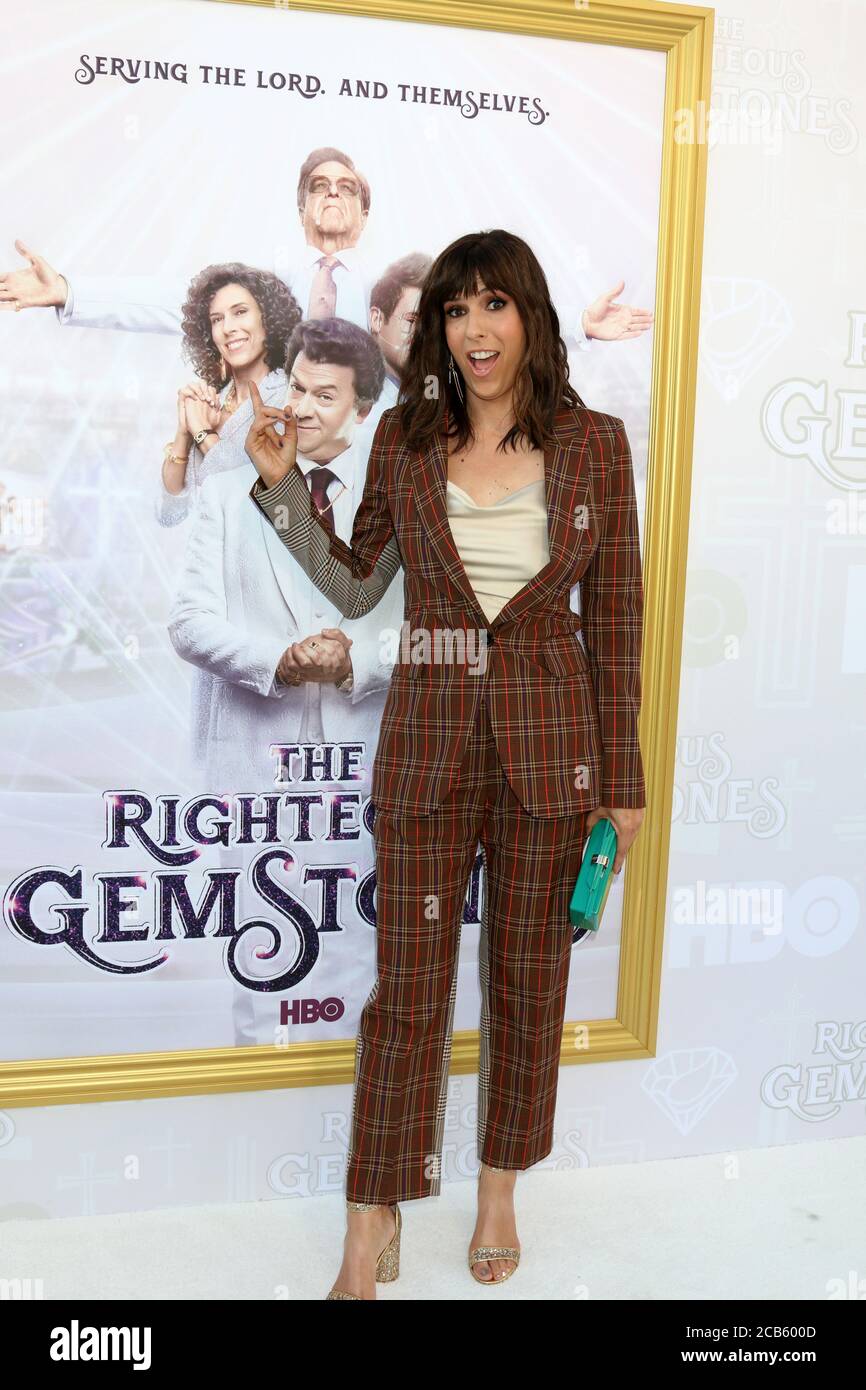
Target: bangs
{"x":470,"y":269}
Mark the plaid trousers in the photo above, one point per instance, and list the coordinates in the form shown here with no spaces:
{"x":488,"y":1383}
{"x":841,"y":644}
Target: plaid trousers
{"x":403,"y":1047}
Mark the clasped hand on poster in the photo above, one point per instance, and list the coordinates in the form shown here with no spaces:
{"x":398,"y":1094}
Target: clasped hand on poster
{"x":323,"y":657}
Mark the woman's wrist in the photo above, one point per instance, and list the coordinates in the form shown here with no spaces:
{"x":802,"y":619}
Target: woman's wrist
{"x":210,"y":439}
{"x":174,"y":465}
{"x":181,"y":444}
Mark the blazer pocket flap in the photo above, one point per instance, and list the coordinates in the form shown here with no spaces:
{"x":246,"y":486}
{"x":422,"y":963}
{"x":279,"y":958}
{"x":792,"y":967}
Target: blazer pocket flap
{"x":565,"y":656}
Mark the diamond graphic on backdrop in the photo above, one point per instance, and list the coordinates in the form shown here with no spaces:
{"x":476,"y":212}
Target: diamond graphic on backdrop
{"x":7,"y":1128}
{"x":742,"y":323}
{"x":686,"y":1084}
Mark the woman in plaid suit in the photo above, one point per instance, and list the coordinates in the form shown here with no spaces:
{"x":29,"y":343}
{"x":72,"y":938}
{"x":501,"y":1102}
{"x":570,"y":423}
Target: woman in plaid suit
{"x":500,"y":724}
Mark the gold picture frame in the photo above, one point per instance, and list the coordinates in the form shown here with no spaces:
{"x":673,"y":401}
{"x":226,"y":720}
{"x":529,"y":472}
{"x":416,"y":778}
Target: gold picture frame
{"x":684,"y":33}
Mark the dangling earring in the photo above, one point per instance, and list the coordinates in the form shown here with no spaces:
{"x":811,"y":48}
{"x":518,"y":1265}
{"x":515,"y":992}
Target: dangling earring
{"x":223,"y":371}
{"x":454,"y":377}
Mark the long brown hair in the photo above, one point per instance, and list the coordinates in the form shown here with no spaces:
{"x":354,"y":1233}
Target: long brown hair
{"x":279,"y":309}
{"x":427,"y":399}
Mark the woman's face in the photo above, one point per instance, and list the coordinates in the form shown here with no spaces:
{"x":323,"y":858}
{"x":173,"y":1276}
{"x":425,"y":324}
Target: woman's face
{"x":237,"y":326}
{"x":486,"y":337}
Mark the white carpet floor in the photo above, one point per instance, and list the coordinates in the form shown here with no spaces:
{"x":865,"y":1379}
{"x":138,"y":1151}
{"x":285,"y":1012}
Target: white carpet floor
{"x":778,"y":1223}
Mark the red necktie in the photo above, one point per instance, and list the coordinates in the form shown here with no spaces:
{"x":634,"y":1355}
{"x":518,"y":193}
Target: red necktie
{"x":319,"y":479}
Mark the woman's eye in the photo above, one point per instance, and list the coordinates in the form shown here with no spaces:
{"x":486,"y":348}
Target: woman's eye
{"x":454,"y":309}
{"x":495,"y":300}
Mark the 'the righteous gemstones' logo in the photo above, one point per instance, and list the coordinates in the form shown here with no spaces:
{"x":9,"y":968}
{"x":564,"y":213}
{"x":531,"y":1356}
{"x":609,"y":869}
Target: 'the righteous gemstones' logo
{"x":818,"y":1092}
{"x":176,"y":846}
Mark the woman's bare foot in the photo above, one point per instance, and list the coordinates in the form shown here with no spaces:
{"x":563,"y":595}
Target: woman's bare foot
{"x":367,"y":1234}
{"x":496,"y":1224}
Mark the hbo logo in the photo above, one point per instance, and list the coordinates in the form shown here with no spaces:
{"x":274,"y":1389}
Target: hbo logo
{"x":310,"y":1010}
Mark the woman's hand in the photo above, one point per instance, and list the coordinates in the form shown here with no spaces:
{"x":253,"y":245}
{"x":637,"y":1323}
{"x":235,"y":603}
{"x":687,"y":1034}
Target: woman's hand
{"x":273,"y":454}
{"x":626,"y":821}
{"x":198,"y":407}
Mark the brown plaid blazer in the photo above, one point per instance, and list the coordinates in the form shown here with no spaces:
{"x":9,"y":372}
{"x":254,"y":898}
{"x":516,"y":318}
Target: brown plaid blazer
{"x":565,"y":718}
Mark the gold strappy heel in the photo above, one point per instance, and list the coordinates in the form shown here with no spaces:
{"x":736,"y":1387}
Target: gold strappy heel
{"x":388,"y":1263}
{"x":493,"y":1252}
{"x":481,"y":1253}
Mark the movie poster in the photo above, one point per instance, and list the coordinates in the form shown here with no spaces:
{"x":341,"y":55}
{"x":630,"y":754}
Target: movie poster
{"x":187,"y":857}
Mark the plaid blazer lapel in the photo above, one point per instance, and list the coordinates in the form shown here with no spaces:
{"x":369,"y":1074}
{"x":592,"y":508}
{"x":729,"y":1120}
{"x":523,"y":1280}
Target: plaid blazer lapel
{"x":565,"y":487}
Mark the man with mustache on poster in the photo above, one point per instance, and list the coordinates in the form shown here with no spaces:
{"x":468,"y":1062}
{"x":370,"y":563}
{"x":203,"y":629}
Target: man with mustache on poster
{"x":243,"y":603}
{"x":240,"y":614}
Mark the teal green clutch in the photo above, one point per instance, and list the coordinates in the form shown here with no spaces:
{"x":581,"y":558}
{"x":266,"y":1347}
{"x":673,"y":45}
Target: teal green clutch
{"x":594,"y":879}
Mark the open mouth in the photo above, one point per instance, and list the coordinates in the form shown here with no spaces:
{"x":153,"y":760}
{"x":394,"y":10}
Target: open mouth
{"x":483,"y":362}
{"x":238,"y":343}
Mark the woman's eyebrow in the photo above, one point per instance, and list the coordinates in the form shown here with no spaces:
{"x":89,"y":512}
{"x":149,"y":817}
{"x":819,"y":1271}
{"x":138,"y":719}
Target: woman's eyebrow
{"x":241,"y":304}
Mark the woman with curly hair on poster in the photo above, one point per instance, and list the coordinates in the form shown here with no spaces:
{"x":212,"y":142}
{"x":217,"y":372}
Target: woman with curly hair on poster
{"x":236,"y":323}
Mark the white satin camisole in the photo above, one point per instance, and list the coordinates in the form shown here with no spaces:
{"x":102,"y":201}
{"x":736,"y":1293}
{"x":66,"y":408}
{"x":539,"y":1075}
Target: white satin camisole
{"x":502,"y":546}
